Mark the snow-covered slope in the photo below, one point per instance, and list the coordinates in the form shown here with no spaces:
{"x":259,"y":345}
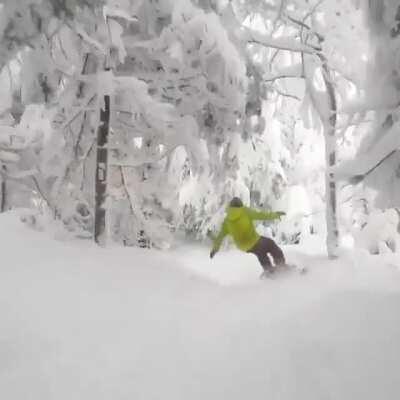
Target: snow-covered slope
{"x":79,"y":322}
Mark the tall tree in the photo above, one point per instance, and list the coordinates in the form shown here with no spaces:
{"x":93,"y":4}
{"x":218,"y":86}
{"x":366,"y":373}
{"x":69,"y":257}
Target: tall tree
{"x":103,"y":133}
{"x":302,"y":28}
{"x":377,"y":163}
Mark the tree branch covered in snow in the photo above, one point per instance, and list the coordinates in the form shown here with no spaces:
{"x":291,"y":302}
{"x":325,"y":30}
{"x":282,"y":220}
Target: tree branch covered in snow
{"x":289,"y":43}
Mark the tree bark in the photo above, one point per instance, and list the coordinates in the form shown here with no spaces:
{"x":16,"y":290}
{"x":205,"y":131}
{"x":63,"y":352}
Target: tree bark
{"x":101,"y":173}
{"x":329,"y":129}
{"x":332,"y":238}
{"x":3,"y":195}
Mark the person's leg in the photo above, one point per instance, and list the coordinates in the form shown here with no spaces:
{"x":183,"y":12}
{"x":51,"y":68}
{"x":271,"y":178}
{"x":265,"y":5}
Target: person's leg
{"x":275,"y":251}
{"x":261,"y":251}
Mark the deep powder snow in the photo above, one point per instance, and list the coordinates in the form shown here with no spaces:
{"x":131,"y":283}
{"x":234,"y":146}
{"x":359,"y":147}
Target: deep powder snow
{"x":79,"y":322}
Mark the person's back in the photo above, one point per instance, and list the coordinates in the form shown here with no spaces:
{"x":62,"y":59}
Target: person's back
{"x":239,"y":224}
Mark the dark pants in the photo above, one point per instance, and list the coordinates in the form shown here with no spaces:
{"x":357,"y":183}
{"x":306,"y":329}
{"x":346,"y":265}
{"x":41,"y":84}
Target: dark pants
{"x":265,"y":247}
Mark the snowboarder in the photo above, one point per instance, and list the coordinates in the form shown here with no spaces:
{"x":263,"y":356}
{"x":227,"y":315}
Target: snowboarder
{"x":239,"y":224}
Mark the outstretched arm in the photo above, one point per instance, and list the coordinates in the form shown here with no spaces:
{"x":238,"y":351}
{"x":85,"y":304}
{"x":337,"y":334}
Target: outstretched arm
{"x":264,"y":215}
{"x":218,"y":240}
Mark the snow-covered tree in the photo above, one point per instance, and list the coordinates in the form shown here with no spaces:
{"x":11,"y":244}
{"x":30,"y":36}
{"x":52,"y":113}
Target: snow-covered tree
{"x":191,"y":63}
{"x":379,"y":147}
{"x":159,"y":100}
{"x":373,"y":168}
{"x":309,"y":34}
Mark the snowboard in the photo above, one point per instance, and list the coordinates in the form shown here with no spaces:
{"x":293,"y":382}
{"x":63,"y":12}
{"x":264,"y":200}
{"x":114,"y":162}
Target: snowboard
{"x":283,"y":270}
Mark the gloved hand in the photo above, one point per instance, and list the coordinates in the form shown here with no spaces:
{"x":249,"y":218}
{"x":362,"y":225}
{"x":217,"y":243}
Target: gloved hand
{"x":213,"y":253}
{"x":280,"y":214}
{"x":210,"y":234}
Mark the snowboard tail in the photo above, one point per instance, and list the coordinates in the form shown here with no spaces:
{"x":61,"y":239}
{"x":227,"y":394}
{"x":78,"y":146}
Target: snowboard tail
{"x":276,"y":271}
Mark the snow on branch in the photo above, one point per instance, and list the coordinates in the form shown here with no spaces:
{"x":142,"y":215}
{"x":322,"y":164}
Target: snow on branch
{"x":272,"y":78}
{"x":292,"y":71}
{"x":367,"y":162}
{"x":303,"y":25}
{"x":117,"y":12}
{"x":284,"y":94}
{"x":80,"y":31}
{"x":71,"y":118}
{"x":281,"y":43}
{"x":134,"y":161}
{"x":9,"y":156}
{"x":373,"y":103}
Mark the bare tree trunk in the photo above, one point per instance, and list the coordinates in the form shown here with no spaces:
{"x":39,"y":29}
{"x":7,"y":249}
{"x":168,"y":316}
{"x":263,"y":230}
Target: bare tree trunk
{"x":329,"y":128}
{"x":3,"y":198}
{"x":332,"y":239}
{"x":101,"y":173}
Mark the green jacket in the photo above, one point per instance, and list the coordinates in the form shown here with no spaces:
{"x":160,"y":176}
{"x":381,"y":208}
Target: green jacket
{"x":239,"y":224}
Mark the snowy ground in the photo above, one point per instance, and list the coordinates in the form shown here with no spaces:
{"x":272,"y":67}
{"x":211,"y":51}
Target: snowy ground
{"x":79,"y":322}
